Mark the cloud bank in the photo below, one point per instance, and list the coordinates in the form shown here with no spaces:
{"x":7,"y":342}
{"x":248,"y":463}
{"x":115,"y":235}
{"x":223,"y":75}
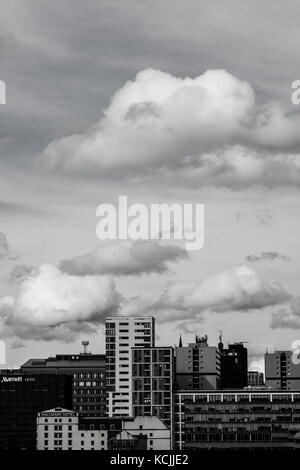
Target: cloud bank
{"x":236,"y":289}
{"x":202,"y":130}
{"x":124,"y":258}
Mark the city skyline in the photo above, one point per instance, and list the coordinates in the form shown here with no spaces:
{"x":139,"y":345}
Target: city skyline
{"x":163,"y":103}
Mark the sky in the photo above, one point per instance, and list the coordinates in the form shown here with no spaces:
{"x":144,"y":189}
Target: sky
{"x":164,"y":102}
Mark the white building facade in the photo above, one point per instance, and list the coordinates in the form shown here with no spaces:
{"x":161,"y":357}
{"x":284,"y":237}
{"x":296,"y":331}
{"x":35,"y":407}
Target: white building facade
{"x":58,"y":429}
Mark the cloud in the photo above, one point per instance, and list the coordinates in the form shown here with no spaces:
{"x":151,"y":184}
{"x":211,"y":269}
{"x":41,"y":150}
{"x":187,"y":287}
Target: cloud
{"x":257,"y":365}
{"x":288,"y":317}
{"x":237,"y":289}
{"x":268,"y":256}
{"x":51,"y":304}
{"x":127,"y":258}
{"x":202,"y":130}
{"x":18,"y":274}
{"x":5,"y":252}
{"x":17,"y":344}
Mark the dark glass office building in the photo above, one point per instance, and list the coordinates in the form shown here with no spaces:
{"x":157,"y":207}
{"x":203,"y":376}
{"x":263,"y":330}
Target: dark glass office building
{"x":89,"y":379}
{"x":21,"y":398}
{"x":234,"y":366}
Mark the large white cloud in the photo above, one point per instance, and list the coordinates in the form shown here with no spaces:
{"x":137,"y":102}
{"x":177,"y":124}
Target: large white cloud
{"x":124,"y":258}
{"x":51,"y":302}
{"x":206,"y":130}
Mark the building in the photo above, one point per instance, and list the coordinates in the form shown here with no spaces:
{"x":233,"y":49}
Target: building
{"x":21,"y":398}
{"x":63,"y":429}
{"x":234,"y":366}
{"x":58,"y":429}
{"x":123,"y":334}
{"x":142,"y":432}
{"x":153,"y":377}
{"x":197,"y":366}
{"x":255,"y":379}
{"x":280,"y":371}
{"x":88,"y":373}
{"x":235,"y":419}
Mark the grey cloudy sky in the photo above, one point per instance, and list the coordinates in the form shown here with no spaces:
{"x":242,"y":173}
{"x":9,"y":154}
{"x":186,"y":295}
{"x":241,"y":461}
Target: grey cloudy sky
{"x":218,"y":142}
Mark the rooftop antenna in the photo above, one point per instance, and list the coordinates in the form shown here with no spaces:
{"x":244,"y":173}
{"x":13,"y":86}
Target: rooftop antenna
{"x":85,"y":345}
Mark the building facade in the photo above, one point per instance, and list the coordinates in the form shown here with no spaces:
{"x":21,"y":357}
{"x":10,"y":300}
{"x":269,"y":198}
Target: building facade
{"x":234,"y":366}
{"x":142,"y":432}
{"x":153,"y":378}
{"x":123,"y":334}
{"x":281,"y":372}
{"x":198,"y":366}
{"x":235,"y":419}
{"x":255,"y":379}
{"x":88,"y":379}
{"x":21,"y":398}
{"x":59,"y":429}
{"x":63,"y":429}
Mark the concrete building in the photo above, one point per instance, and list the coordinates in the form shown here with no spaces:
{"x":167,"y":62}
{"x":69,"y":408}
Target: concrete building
{"x":88,"y":372}
{"x":235,"y":419}
{"x":198,"y":366}
{"x":255,"y":379}
{"x":58,"y":429}
{"x":153,"y":377}
{"x":280,"y":371}
{"x":123,"y":334}
{"x":21,"y":398}
{"x":234,"y":366}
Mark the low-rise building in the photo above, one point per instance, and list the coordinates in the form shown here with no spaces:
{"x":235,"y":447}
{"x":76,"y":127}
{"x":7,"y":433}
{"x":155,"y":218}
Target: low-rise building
{"x":63,"y":429}
{"x":255,"y":379}
{"x":235,"y":419}
{"x":59,"y":429}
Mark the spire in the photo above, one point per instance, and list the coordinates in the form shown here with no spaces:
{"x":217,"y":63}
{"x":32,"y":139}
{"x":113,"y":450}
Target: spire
{"x":180,"y":341}
{"x":220,"y":345}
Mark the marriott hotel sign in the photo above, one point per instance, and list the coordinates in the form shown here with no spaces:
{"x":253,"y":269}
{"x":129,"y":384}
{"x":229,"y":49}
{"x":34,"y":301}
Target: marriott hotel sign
{"x":7,"y":379}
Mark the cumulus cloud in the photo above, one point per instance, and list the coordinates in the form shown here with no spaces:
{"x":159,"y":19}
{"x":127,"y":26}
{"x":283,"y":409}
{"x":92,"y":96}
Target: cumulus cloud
{"x":51,"y":304}
{"x":287,"y":317}
{"x":268,"y":256}
{"x":257,"y":365}
{"x":237,"y":289}
{"x":203,"y":130}
{"x":124,"y":258}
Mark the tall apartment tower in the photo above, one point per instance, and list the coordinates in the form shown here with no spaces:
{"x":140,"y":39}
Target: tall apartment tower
{"x":153,"y":376}
{"x":280,"y":371}
{"x":197,"y":366}
{"x":123,"y":334}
